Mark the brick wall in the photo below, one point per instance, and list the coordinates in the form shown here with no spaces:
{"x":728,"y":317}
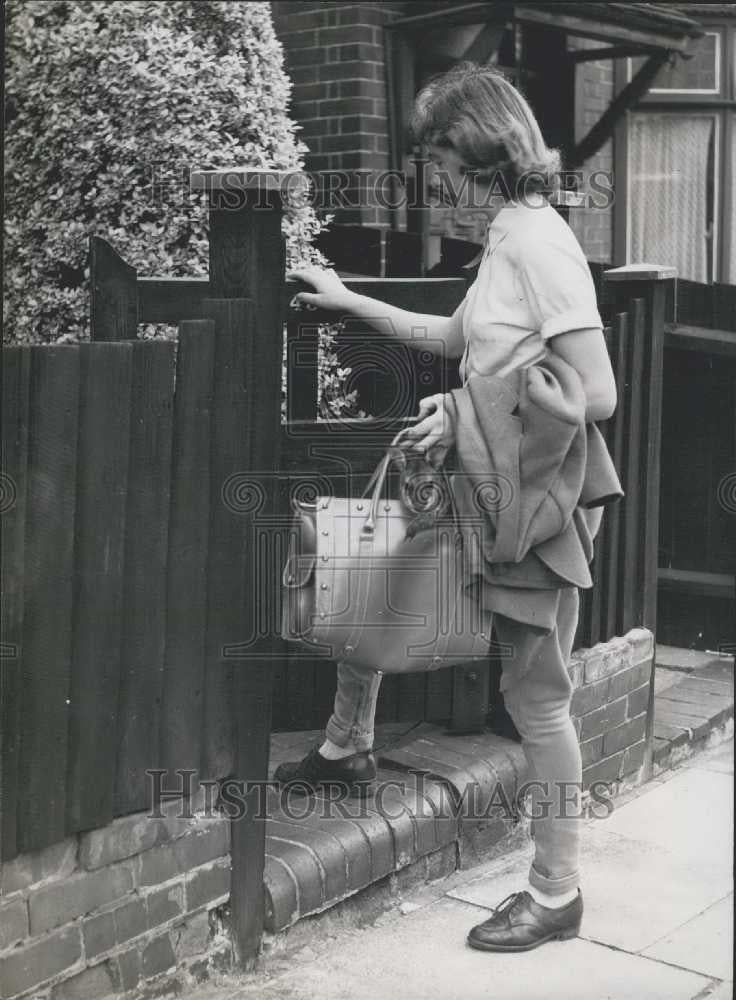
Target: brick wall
{"x":334,"y":55}
{"x":609,"y":705}
{"x":105,"y":911}
{"x":593,"y":225}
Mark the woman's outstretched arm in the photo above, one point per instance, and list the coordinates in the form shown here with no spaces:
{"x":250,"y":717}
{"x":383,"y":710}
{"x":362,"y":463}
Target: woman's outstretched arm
{"x":420,"y":330}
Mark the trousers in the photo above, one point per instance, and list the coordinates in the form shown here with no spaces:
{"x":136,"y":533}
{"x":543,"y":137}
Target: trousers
{"x":537,"y":690}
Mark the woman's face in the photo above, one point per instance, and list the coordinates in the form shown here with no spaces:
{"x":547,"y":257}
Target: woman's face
{"x":460,"y":187}
{"x":448,"y":173}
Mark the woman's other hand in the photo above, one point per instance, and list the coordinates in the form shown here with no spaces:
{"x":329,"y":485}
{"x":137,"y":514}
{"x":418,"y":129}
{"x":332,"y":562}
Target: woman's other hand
{"x":434,"y":433}
{"x":330,"y":293}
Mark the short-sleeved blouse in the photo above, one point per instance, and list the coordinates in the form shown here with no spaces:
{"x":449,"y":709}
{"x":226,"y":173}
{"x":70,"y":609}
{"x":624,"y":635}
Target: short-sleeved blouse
{"x":533,"y":283}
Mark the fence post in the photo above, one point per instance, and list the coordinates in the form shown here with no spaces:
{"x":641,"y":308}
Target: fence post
{"x":246,"y":284}
{"x":651,"y":284}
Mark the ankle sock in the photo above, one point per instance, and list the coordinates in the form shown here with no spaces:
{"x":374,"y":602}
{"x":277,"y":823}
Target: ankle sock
{"x":331,"y":751}
{"x":552,"y":902}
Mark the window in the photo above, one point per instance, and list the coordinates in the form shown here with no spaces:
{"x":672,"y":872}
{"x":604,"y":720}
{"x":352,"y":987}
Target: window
{"x":678,"y":162}
{"x":701,"y":74}
{"x":672,"y":203}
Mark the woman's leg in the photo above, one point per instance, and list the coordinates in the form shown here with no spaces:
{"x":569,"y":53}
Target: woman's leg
{"x":352,"y":721}
{"x":537,"y":690}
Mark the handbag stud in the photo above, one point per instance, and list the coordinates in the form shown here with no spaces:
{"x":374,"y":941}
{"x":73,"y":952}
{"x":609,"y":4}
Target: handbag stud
{"x":348,"y":649}
{"x":323,"y":586}
{"x":387,"y":507}
{"x":436,"y":659}
{"x":359,"y":506}
{"x":325,"y":558}
{"x":325,"y":533}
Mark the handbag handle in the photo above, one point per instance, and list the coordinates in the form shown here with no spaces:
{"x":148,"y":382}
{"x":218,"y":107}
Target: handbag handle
{"x":378,"y":480}
{"x":390,"y":453}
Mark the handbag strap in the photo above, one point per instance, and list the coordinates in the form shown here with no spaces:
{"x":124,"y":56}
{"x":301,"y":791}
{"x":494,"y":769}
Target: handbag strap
{"x":393,"y":452}
{"x":378,"y":479}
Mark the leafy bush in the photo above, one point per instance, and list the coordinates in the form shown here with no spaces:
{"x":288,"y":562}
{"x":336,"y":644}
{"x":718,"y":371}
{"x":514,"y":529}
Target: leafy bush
{"x":107,"y":107}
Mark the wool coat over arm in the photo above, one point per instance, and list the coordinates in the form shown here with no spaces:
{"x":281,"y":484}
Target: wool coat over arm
{"x":529,"y":473}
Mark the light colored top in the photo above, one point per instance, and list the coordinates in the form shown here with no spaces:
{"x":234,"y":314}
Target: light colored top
{"x":532,"y":284}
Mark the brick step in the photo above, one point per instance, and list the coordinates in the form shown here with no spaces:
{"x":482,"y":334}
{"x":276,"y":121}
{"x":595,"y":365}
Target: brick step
{"x":320,"y":852}
{"x":694,"y":695}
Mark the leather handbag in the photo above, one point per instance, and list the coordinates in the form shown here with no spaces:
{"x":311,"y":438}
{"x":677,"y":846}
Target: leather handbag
{"x":378,"y":583}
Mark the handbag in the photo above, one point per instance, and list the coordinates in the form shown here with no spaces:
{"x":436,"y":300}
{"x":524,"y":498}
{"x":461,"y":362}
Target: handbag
{"x":379,"y":583}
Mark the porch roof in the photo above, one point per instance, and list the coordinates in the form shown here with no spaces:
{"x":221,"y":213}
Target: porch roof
{"x":642,"y":27}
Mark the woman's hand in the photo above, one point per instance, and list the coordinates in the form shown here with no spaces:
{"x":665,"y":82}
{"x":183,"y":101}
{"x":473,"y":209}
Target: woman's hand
{"x":330,"y":292}
{"x":435,"y":432}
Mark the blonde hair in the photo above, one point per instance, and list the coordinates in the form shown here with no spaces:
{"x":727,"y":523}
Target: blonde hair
{"x":477,"y":112}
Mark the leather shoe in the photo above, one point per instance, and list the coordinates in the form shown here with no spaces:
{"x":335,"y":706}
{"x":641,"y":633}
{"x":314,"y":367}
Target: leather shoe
{"x":520,"y":923}
{"x":355,"y":773}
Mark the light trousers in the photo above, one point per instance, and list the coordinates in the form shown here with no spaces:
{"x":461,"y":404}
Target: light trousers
{"x":537,"y":690}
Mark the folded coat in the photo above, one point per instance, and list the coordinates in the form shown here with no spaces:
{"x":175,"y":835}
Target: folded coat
{"x":528,"y":475}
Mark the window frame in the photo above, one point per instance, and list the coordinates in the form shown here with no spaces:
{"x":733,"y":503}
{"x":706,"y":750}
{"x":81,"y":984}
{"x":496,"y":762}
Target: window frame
{"x":680,"y":94}
{"x":722,"y":105}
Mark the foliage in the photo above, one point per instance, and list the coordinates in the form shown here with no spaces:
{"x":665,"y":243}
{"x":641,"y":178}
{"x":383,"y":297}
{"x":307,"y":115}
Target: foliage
{"x":107,"y":108}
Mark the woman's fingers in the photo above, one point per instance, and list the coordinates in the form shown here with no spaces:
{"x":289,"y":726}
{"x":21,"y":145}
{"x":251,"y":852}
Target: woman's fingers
{"x":428,"y":404}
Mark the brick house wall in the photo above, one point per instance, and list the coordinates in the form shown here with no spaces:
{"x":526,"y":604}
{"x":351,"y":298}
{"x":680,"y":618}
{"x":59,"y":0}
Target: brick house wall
{"x":593,"y":225}
{"x":335,"y":56}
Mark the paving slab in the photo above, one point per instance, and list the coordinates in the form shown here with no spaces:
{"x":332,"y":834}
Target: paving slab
{"x":719,"y":759}
{"x":682,"y":815}
{"x":635,"y":893}
{"x":649,"y":867}
{"x":704,"y":944}
{"x":394,"y":960}
{"x":686,"y":660}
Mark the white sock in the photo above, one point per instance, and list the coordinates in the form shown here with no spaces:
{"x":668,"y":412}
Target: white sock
{"x":553,"y":902}
{"x":331,"y":751}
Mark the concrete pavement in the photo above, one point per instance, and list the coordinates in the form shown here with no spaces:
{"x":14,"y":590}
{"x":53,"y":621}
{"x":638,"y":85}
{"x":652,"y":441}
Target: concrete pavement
{"x":658,"y":924}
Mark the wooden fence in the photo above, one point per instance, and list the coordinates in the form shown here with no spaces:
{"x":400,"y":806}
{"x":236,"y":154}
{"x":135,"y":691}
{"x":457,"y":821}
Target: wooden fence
{"x":146,"y":512}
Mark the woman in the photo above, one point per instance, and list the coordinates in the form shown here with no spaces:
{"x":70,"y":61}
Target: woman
{"x":533,"y":295}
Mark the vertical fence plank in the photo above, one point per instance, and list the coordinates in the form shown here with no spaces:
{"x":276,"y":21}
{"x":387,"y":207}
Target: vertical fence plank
{"x":630,"y":554}
{"x":615,"y":441}
{"x":15,"y":384}
{"x":412,"y":695}
{"x":186,"y":588}
{"x":144,"y":588}
{"x":439,"y":695}
{"x":47,"y":597}
{"x":102,"y":462}
{"x":302,"y":339}
{"x":230,"y":481}
{"x":113,"y":297}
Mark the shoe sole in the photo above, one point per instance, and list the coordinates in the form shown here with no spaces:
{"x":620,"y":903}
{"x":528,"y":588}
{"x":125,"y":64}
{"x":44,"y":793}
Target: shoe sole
{"x":564,"y":935}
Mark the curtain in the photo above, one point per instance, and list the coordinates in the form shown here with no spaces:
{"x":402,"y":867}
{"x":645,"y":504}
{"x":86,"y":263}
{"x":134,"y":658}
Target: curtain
{"x":668,"y":191}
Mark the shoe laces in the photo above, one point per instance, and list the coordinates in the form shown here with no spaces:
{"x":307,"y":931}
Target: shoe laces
{"x":507,"y":904}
